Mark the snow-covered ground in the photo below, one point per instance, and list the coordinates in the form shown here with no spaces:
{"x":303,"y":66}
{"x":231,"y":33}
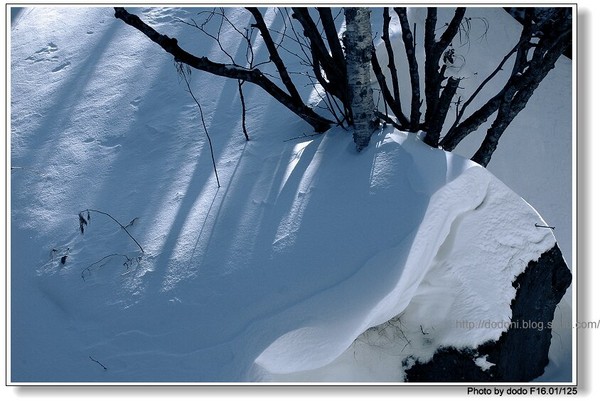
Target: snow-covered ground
{"x":293,"y":268}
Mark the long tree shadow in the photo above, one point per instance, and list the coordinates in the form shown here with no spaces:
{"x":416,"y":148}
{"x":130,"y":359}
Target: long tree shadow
{"x":286,"y":243}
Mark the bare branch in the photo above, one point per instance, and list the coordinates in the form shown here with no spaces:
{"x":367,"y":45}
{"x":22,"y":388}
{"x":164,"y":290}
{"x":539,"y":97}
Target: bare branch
{"x":452,"y":29}
{"x":331,"y":33}
{"x":335,"y":80}
{"x":273,"y":53}
{"x":185,"y":74}
{"x":385,"y":90}
{"x":240,"y":90}
{"x":524,"y":78}
{"x":433,"y":134}
{"x":511,"y":105}
{"x":252,"y":75}
{"x":433,"y":52}
{"x":484,"y":83}
{"x":385,"y":36}
{"x":413,"y":67}
{"x":113,"y":219}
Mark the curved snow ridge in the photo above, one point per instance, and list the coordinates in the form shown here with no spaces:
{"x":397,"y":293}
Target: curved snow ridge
{"x":475,"y":237}
{"x":446,"y":206}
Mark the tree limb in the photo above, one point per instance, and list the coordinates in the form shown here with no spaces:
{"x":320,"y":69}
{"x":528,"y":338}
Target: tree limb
{"x":331,"y":34}
{"x":433,"y":52}
{"x":385,"y":36}
{"x":413,"y":68}
{"x":512,"y":105}
{"x":387,"y":95}
{"x":254,"y":75}
{"x":525,"y":77}
{"x":433,"y":134}
{"x":334,"y":68}
{"x":273,"y":53}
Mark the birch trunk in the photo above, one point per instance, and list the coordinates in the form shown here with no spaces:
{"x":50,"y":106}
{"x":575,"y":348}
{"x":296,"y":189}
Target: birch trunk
{"x":358,"y":41}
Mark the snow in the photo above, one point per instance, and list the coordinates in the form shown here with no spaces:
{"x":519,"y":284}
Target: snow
{"x":464,"y":241}
{"x":308,"y":264}
{"x":483,"y":362}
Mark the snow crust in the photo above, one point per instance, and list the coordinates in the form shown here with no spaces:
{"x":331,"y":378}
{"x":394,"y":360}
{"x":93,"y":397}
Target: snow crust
{"x":310,"y":263}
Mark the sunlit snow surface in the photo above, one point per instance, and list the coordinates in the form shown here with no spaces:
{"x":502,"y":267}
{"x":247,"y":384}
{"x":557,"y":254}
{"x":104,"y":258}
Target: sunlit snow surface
{"x":290,"y":271}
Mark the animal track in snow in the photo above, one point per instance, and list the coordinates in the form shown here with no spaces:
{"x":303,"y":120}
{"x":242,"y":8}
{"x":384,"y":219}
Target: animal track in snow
{"x":62,"y":66}
{"x":50,"y":47}
{"x":135,"y":102}
{"x":44,"y":53}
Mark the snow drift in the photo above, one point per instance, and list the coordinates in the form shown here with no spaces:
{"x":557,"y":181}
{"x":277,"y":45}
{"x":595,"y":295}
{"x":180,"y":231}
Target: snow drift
{"x":456,"y":264}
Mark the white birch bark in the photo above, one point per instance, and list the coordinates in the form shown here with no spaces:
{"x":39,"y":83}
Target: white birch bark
{"x":358,"y":42}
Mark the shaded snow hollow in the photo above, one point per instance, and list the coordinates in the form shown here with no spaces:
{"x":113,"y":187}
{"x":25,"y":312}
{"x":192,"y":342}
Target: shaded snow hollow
{"x":290,"y":271}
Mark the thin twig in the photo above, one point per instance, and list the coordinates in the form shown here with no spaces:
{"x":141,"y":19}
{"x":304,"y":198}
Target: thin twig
{"x":212,"y":153}
{"x":303,"y":136}
{"x":127,"y":262}
{"x":104,"y":367}
{"x":542,"y":226}
{"x":240,"y":83}
{"x":484,"y":83}
{"x":116,"y":221}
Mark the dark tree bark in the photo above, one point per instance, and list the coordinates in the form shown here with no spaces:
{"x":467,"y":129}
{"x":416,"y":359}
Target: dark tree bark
{"x":434,"y":75}
{"x":527,"y":74}
{"x":273,"y":53}
{"x":334,"y":81}
{"x":331,"y":33}
{"x":544,"y":36}
{"x":255,"y":76}
{"x":387,"y":95}
{"x":466,"y":104}
{"x":413,"y":68}
{"x":433,"y":134}
{"x":511,"y":107}
{"x":395,"y":103}
{"x":457,"y":133}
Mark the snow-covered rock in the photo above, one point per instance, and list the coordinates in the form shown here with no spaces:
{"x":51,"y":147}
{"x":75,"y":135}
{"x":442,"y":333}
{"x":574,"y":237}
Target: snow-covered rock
{"x":521,"y":353}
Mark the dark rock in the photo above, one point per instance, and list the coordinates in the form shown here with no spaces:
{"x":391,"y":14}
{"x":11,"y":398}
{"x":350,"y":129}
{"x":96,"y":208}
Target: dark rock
{"x":521,"y":353}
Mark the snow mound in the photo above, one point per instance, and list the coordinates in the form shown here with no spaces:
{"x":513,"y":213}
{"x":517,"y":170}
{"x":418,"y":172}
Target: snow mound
{"x":455,"y":264}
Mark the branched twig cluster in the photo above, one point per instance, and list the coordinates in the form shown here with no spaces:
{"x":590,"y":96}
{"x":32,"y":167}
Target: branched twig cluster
{"x":547,"y":35}
{"x":128,"y":262}
{"x":85,"y":218}
{"x":389,"y":332}
{"x":537,"y":50}
{"x":246,"y":34}
{"x":253,"y":75}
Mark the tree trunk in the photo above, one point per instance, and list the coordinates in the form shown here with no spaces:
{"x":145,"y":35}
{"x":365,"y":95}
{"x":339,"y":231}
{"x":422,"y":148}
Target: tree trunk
{"x":359,"y":48}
